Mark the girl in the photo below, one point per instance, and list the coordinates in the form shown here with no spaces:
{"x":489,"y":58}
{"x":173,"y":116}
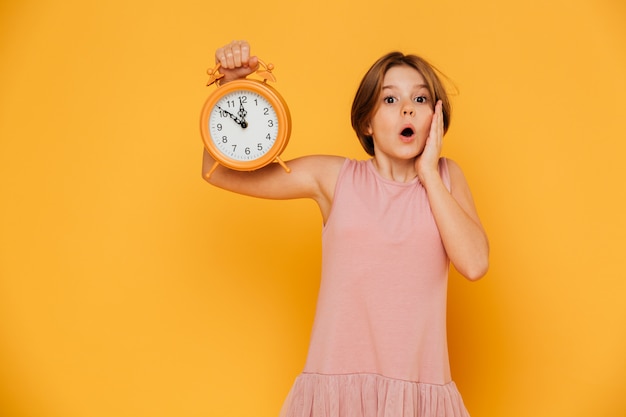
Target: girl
{"x":392,"y":225}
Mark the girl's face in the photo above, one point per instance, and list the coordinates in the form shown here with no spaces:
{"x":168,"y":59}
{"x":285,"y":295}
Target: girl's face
{"x":401,"y":124}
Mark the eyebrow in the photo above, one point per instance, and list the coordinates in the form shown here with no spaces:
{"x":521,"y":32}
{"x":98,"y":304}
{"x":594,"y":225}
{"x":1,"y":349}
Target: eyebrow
{"x":387,"y":87}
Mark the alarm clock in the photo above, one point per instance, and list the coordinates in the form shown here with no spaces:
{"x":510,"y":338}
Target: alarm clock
{"x":245,"y":124}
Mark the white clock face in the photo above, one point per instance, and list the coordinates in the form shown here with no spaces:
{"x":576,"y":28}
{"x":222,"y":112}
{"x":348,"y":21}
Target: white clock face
{"x":243,"y":125}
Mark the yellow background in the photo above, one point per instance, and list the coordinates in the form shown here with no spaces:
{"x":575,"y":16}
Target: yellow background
{"x":130,"y":288}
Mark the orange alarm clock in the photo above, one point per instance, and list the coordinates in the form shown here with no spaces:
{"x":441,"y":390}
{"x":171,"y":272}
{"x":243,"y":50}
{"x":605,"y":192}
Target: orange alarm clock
{"x":245,"y":124}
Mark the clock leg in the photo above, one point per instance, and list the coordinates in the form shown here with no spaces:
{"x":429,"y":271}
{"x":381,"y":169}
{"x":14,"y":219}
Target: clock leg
{"x":282,"y":164}
{"x":213,"y":168}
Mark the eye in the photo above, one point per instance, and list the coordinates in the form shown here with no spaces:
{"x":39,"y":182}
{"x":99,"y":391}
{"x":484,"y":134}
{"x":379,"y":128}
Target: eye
{"x":421,"y":99}
{"x":389,"y":100}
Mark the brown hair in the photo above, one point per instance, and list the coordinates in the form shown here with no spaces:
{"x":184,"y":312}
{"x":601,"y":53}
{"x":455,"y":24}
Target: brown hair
{"x":366,"y":100}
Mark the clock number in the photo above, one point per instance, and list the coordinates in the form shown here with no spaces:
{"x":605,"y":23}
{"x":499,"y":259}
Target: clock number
{"x":244,"y":99}
{"x":224,"y":139}
{"x":234,"y":148}
{"x":259,"y":147}
{"x":268,"y":137}
{"x":231,"y":103}
{"x":270,"y":123}
{"x":247,"y":151}
{"x":266,"y":111}
{"x":219,"y":127}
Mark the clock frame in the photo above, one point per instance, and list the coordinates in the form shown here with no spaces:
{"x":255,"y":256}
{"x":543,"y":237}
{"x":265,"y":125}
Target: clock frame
{"x":252,"y":86}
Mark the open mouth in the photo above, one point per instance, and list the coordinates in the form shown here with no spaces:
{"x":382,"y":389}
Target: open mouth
{"x":407,"y":132}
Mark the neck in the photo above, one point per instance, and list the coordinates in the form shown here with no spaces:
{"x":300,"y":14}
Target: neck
{"x":399,"y":171}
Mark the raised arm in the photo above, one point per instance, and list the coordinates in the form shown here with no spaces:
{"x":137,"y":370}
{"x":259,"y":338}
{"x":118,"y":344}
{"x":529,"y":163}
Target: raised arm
{"x":310,"y":177}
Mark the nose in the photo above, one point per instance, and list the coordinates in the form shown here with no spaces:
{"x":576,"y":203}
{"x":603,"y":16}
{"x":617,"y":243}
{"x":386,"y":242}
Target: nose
{"x":408,"y":110}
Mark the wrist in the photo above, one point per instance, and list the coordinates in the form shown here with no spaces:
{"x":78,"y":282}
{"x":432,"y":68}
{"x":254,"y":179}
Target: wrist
{"x":222,"y":80}
{"x":428,"y":178}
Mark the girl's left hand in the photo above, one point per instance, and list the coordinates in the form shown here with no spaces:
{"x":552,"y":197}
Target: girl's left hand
{"x":428,"y":162}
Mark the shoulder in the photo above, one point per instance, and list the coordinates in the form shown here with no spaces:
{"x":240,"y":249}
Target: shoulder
{"x":453,"y":166}
{"x":459,"y":187}
{"x":321,"y":172}
{"x":454,"y":171}
{"x":327,"y":169}
{"x":320,"y":167}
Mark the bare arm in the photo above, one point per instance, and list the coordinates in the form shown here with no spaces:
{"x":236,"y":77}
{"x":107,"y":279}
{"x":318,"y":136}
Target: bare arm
{"x":310,"y":177}
{"x":460,"y":228}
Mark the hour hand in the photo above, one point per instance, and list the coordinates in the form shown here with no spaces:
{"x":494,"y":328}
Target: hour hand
{"x":241,"y":123}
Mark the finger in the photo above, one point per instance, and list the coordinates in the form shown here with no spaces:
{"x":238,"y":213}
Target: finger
{"x":434,"y":124}
{"x":253,"y":63}
{"x":237,"y":53}
{"x":245,"y":52}
{"x":230,"y":57}
{"x":438,"y":121}
{"x":220,"y":56}
{"x":440,"y":104}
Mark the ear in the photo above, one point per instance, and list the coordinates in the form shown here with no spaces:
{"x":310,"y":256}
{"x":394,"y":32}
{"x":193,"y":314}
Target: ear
{"x":368,"y":130}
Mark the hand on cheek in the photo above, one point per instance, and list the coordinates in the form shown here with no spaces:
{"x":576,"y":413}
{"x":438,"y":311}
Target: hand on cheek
{"x":428,"y":161}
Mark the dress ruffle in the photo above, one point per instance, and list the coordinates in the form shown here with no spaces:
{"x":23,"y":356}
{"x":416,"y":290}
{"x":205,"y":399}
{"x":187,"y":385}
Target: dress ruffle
{"x":370,"y":395}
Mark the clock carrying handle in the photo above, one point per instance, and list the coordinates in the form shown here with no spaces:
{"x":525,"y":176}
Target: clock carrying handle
{"x":264,"y":71}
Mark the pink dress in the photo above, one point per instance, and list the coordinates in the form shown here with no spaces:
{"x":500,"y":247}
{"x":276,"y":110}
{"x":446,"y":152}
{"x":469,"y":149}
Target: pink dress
{"x":378,"y":345}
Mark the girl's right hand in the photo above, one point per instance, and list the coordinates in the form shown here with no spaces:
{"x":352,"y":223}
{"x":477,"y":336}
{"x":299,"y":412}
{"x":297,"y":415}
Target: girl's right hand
{"x":235,"y":60}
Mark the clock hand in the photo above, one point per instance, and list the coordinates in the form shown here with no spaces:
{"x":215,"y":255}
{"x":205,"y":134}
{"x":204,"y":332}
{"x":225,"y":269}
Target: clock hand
{"x":241,"y":123}
{"x":242,"y":114}
{"x":242,"y":110}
